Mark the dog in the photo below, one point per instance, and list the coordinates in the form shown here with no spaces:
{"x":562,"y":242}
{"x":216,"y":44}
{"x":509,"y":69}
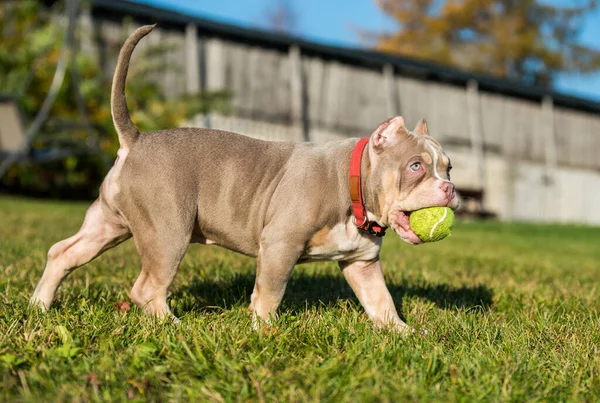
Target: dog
{"x":281,"y":202}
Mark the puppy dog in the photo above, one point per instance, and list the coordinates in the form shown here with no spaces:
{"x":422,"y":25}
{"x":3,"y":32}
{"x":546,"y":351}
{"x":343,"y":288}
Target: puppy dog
{"x":284,"y":203}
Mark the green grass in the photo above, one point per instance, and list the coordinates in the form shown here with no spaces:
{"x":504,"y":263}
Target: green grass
{"x":511,"y":309}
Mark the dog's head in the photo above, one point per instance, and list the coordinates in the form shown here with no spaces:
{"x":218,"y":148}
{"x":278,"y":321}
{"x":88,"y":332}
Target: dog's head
{"x":408,"y":171}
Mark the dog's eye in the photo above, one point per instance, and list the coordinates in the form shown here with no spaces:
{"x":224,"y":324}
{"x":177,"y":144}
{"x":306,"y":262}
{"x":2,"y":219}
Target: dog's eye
{"x":415,"y":167}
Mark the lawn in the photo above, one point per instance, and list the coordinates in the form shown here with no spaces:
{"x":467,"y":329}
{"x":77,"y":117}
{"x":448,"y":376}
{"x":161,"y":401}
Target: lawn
{"x":512,"y":312}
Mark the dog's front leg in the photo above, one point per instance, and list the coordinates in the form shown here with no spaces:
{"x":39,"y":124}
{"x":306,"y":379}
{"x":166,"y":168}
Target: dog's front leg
{"x":366,"y":279}
{"x":273,"y":268}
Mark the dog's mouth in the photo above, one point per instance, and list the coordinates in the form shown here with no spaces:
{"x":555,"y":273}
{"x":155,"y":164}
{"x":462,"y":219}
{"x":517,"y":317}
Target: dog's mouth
{"x":400,"y":222}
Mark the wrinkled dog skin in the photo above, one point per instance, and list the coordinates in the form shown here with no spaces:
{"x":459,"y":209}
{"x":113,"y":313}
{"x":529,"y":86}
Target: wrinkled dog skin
{"x":283,"y":203}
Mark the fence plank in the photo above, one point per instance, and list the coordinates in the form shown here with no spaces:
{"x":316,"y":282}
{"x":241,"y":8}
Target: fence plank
{"x":192,"y":59}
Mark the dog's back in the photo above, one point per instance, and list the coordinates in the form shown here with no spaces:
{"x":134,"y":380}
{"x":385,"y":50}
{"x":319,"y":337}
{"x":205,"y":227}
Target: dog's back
{"x":206,"y":173}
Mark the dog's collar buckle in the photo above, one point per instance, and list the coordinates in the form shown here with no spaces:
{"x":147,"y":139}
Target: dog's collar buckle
{"x":361,"y":224}
{"x":375,"y":229}
{"x":359,"y":212}
{"x":370,"y":227}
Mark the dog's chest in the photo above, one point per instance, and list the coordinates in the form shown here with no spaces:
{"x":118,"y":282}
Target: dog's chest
{"x":342,"y":242}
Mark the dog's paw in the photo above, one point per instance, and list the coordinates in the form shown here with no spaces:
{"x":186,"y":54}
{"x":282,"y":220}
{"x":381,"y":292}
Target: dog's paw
{"x":263,"y":326}
{"x":37,"y":303}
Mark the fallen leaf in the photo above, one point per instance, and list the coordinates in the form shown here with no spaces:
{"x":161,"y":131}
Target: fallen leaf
{"x":92,"y":378}
{"x":123,"y":306}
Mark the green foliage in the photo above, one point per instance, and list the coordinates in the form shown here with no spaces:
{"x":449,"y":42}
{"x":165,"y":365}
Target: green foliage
{"x":30,"y":42}
{"x":511,"y":310}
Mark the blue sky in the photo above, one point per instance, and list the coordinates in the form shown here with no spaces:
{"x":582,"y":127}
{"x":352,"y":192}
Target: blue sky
{"x":336,"y":22}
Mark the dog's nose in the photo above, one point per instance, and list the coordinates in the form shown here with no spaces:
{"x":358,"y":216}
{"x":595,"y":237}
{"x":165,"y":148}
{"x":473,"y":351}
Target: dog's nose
{"x":447,"y":187}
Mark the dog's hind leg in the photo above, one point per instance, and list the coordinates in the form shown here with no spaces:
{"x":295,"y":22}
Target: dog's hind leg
{"x":161,"y":248}
{"x":97,"y":234}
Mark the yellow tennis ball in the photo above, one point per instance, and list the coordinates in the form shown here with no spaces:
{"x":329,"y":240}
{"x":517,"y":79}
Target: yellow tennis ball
{"x":432,"y":224}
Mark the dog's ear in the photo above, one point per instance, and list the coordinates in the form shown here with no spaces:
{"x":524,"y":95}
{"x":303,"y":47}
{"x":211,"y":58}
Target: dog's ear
{"x":421,"y":128}
{"x":388,"y":133}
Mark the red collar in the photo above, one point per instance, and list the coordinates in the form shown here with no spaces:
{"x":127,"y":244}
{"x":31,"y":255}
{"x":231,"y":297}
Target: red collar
{"x":358,"y":207}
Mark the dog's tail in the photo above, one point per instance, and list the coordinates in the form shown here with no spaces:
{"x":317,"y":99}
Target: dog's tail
{"x":126,"y":130}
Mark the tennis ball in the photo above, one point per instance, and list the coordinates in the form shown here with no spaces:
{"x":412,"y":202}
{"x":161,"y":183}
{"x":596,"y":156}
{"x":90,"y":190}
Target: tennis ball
{"x":432,"y":224}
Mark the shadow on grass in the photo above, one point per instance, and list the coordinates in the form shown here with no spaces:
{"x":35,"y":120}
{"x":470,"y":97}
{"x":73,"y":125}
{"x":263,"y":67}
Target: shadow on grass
{"x":322,"y":289}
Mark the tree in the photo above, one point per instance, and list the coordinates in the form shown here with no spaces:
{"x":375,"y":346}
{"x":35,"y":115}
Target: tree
{"x":30,"y":42}
{"x":520,"y":39}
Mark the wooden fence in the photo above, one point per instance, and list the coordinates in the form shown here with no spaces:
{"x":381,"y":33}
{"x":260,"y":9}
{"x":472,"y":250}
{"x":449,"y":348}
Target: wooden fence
{"x":526,"y":157}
